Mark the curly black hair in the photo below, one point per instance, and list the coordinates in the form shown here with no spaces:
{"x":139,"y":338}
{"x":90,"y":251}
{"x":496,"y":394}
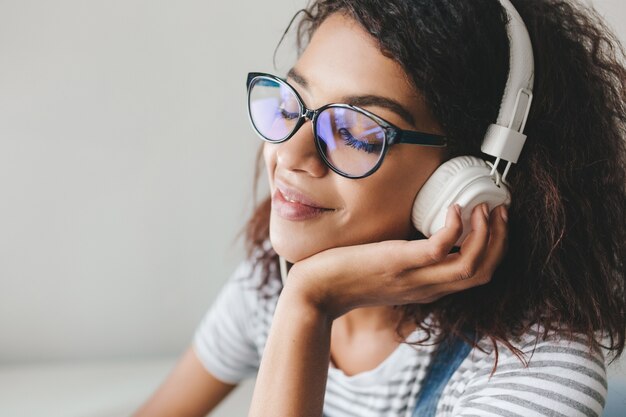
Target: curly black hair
{"x":564,"y":268}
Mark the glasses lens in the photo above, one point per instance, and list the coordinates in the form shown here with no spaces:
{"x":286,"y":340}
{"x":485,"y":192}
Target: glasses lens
{"x":351,"y":141}
{"x":274,"y":108}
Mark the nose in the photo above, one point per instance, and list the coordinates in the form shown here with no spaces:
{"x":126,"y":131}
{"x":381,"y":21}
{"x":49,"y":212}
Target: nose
{"x":299,"y":153}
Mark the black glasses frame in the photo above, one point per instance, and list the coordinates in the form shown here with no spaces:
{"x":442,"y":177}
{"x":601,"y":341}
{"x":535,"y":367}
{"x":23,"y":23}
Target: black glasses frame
{"x":393,"y":134}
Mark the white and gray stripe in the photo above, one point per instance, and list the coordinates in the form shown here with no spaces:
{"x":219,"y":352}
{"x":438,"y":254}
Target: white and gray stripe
{"x":562,"y":378}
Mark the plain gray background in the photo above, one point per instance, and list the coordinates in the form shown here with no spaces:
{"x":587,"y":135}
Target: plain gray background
{"x":126,"y":164}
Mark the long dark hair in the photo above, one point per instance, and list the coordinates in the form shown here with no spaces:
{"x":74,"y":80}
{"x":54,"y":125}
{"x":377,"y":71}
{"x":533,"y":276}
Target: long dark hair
{"x":564,"y":269}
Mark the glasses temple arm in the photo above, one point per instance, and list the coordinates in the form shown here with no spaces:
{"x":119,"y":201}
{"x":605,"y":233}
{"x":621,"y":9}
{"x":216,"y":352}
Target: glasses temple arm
{"x":419,"y":138}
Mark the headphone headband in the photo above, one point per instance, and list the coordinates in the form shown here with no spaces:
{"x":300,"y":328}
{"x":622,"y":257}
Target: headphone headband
{"x":505,"y":139}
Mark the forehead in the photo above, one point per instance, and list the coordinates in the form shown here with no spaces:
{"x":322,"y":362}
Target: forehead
{"x":342,"y":59}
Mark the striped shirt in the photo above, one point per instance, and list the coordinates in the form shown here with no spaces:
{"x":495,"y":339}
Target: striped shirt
{"x":562,"y":378}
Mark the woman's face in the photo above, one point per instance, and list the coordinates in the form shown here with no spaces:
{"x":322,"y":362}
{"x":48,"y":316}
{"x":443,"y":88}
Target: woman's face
{"x":343,"y":60}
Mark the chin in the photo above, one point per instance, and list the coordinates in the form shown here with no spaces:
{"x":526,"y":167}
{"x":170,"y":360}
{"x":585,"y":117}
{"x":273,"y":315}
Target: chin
{"x":293,"y":250}
{"x":296,"y":245}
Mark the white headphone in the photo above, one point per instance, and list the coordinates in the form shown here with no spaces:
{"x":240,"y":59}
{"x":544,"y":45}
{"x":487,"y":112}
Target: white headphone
{"x":467,"y":180}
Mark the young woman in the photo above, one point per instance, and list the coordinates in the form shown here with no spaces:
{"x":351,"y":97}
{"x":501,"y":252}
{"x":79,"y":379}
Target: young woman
{"x":496,"y":311}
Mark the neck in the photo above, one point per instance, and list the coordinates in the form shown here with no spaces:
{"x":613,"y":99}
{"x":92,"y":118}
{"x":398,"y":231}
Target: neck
{"x":379,"y":319}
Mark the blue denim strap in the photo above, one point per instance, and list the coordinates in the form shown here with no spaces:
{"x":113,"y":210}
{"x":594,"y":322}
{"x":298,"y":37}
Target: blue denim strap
{"x":448,"y":357}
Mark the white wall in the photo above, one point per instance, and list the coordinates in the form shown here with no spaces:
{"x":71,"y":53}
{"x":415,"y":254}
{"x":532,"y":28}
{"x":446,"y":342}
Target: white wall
{"x":125,"y":167}
{"x":614,"y":11}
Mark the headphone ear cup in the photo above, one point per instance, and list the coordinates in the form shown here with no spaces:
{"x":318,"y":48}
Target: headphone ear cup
{"x":464,"y":180}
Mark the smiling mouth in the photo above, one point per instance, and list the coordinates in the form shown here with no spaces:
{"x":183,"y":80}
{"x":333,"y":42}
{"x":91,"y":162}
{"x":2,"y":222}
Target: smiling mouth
{"x":295,"y":196}
{"x":290,"y":209}
{"x":289,"y":200}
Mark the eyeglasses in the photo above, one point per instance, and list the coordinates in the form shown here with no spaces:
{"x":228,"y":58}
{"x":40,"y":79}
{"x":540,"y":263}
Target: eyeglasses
{"x":350,"y":140}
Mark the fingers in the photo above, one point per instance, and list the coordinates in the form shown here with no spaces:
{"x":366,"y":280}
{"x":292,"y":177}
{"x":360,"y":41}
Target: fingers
{"x":479,"y":255}
{"x":445,"y":238}
{"x":475,"y":244}
{"x":419,"y":253}
{"x":496,"y":249}
{"x":410,"y":272}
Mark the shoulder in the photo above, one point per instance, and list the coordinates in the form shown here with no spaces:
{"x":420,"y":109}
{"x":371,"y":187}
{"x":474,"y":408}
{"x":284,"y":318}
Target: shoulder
{"x":555,"y":375}
{"x":254,"y":282}
{"x":230,"y":338}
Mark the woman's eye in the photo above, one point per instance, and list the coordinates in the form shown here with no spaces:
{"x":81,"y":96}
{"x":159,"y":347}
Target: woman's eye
{"x":288,"y":115}
{"x":357,"y":144}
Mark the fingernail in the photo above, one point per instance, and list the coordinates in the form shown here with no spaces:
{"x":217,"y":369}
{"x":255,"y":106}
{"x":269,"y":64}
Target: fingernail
{"x":504,"y":214}
{"x":458,"y":209}
{"x":485,"y":210}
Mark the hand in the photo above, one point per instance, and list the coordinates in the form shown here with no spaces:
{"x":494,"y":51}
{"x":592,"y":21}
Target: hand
{"x":395,"y":272}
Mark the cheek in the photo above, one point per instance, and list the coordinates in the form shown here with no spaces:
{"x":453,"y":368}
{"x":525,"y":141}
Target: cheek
{"x":269,"y":157}
{"x":372,"y":209}
{"x":381,"y":208}
{"x":383,"y":212}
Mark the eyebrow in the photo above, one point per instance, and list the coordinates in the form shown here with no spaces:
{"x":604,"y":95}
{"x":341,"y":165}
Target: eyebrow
{"x":362,"y":100}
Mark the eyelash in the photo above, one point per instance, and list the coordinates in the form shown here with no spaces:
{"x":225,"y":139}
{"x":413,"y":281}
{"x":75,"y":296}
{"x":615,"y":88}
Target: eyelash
{"x":345,"y":134}
{"x":357,"y":144}
{"x":287,"y":115}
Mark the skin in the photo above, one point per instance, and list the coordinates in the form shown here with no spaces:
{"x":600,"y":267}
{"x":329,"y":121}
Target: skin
{"x":374,"y":208}
{"x":365,"y":210}
{"x":342,"y":285}
{"x":336,"y":303}
{"x":188,"y":391}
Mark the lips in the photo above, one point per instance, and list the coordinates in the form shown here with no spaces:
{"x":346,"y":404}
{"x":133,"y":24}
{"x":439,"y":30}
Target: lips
{"x":291,"y":204}
{"x":292,"y":195}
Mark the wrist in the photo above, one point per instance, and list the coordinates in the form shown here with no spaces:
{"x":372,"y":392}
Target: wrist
{"x":299,"y":306}
{"x":306,"y":294}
